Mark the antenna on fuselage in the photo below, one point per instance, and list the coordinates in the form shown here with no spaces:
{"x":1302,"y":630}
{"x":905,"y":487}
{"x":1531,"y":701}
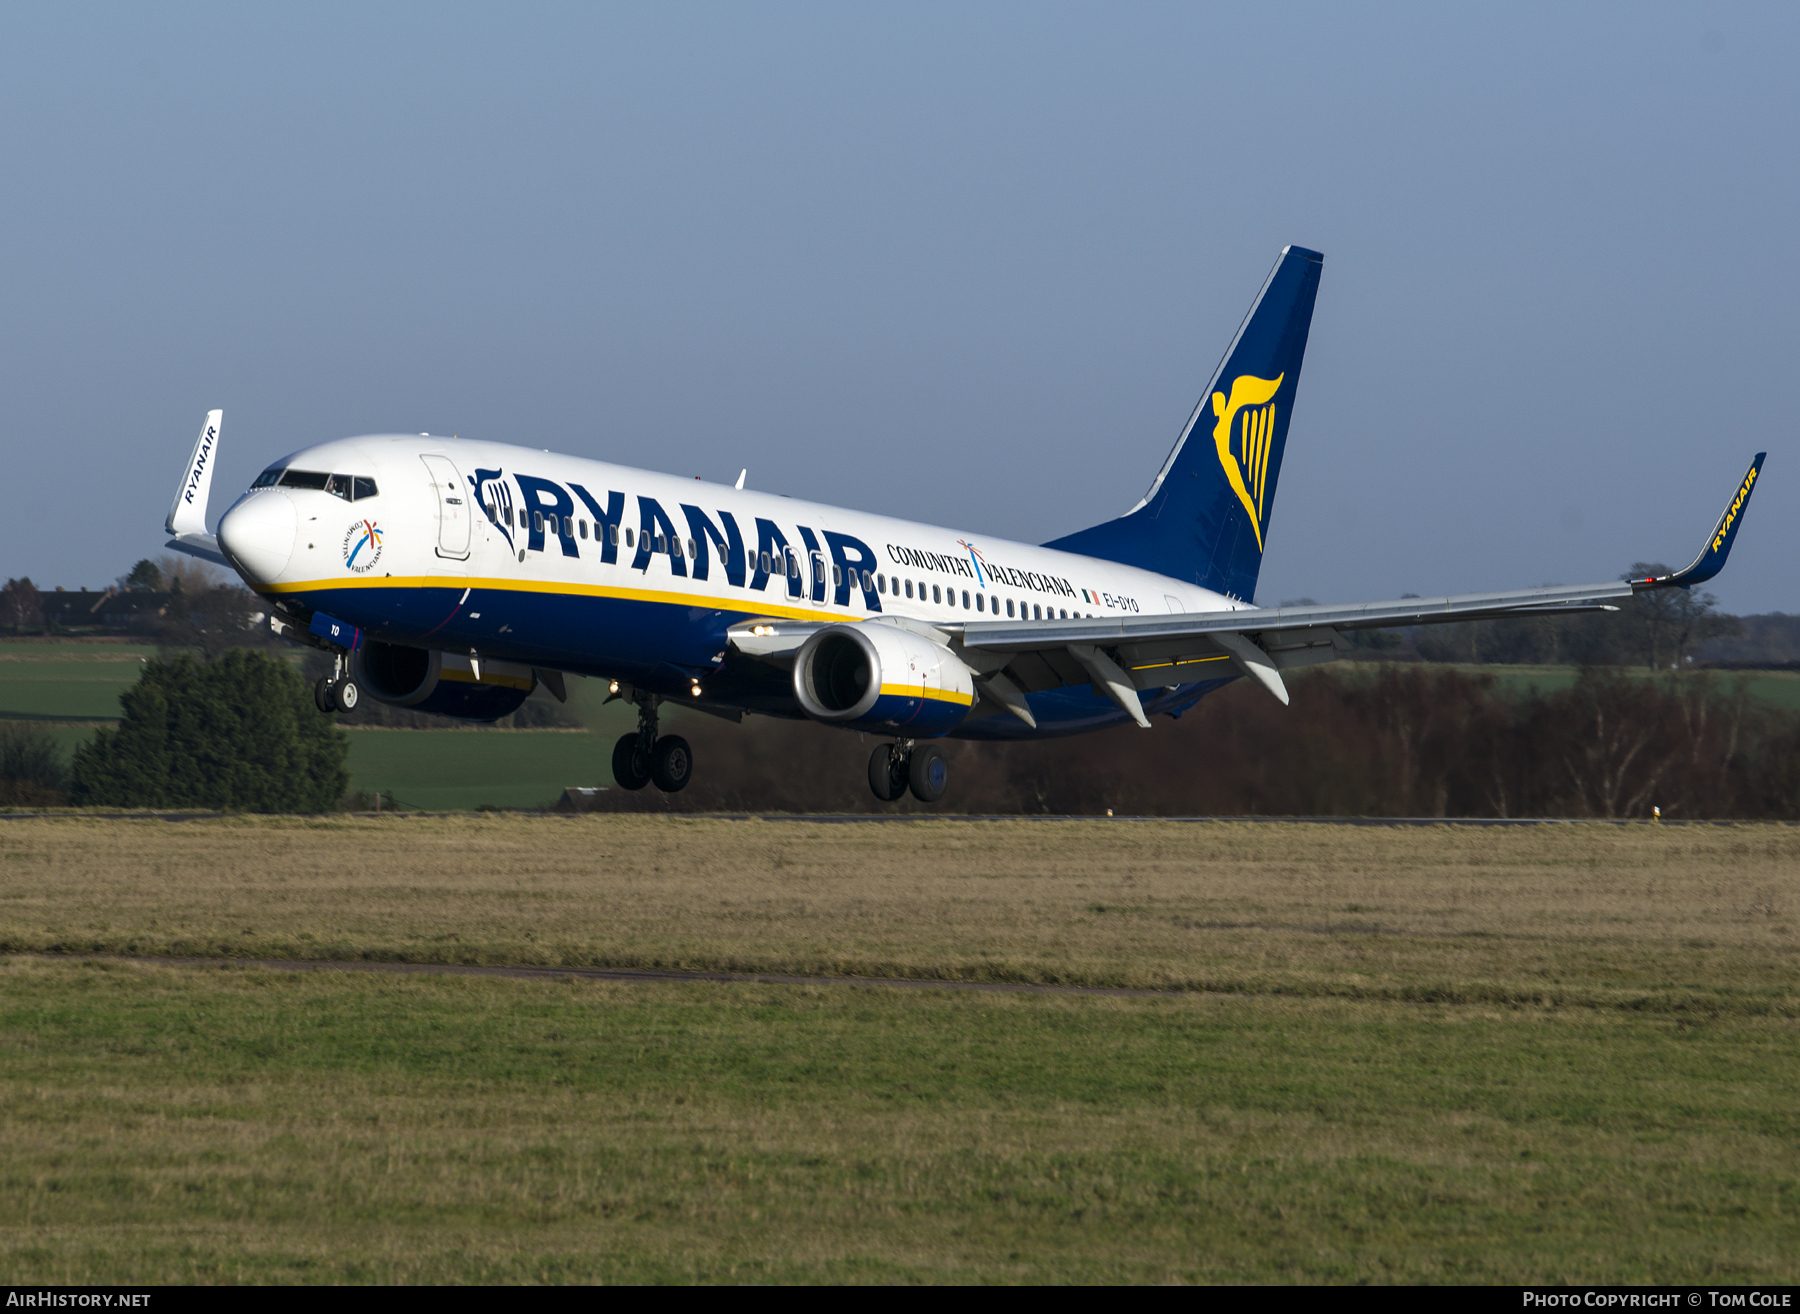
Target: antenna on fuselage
{"x":739,"y":485}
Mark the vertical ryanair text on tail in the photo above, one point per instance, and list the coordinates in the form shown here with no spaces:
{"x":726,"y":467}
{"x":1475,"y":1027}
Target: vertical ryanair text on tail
{"x":456,"y":576}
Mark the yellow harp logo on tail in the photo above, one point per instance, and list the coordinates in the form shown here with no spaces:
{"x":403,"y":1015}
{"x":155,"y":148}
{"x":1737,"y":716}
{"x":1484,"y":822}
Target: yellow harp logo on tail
{"x":1247,"y":422}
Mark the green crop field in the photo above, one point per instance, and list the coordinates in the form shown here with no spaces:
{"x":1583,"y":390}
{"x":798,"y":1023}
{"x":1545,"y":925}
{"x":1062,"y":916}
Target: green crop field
{"x":1560,"y":1054}
{"x":72,"y":686}
{"x":452,"y":770}
{"x":69,"y":681}
{"x":1777,"y":688}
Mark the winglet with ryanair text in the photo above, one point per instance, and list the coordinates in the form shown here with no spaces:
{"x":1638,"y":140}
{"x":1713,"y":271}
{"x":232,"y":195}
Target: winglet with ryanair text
{"x":1718,"y":544}
{"x":186,"y":522}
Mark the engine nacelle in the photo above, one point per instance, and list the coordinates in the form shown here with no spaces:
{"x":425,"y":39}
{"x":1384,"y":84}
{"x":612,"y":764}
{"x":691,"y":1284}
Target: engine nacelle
{"x":881,"y":677}
{"x":431,"y":680}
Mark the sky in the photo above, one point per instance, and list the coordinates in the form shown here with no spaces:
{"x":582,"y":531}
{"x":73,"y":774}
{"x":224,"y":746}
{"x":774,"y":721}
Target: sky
{"x":969,"y":264}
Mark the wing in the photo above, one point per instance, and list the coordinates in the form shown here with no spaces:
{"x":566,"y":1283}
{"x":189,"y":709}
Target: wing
{"x":1125,"y":655}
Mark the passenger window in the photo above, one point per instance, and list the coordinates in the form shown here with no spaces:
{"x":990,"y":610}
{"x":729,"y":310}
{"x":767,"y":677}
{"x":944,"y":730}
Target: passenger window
{"x":909,"y":588}
{"x":793,"y":563}
{"x":1037,"y":612}
{"x":269,"y":478}
{"x":629,"y":536}
{"x":537,"y":522}
{"x":867,"y":583}
{"x":965,"y":599}
{"x":837,"y":575}
{"x":691,"y":551}
{"x":583,"y":525}
{"x":935,"y":597}
{"x":660,"y":543}
{"x":979,"y":604}
{"x":612,"y":535}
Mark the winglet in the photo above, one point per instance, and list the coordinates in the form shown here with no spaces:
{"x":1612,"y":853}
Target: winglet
{"x":1718,"y":545}
{"x":187,"y":513}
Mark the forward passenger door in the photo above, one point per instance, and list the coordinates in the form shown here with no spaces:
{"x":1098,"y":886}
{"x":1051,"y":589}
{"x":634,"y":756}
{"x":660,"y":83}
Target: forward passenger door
{"x":453,"y":508}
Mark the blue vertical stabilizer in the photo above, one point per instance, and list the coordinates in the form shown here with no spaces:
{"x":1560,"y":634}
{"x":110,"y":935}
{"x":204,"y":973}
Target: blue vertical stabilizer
{"x":1206,"y":517}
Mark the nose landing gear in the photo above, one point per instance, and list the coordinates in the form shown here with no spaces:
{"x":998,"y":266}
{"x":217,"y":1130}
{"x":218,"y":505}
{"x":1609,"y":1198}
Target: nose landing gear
{"x":897,"y":767}
{"x":642,"y":758}
{"x":337,"y":692}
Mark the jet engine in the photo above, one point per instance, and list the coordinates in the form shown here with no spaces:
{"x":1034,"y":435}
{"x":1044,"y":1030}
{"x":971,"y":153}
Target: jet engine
{"x":884,"y":678}
{"x":448,"y":683}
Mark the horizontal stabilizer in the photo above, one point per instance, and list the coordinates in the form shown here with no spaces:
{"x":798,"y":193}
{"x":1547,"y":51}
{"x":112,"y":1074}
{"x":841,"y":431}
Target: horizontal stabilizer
{"x":204,"y":546}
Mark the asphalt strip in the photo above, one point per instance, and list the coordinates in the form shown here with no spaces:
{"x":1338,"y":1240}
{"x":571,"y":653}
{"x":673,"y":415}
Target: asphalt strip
{"x":629,"y":976}
{"x":878,"y":818}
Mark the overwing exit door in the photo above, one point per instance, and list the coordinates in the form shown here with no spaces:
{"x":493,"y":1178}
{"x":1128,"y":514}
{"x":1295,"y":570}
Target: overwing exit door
{"x":453,"y":508}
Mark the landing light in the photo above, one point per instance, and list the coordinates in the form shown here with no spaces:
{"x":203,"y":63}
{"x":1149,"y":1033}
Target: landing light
{"x":613,"y":687}
{"x":761,"y":630}
{"x":695,"y":691}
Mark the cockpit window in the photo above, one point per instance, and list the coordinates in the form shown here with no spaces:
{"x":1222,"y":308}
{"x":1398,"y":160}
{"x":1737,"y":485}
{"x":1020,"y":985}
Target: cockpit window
{"x":352,"y":488}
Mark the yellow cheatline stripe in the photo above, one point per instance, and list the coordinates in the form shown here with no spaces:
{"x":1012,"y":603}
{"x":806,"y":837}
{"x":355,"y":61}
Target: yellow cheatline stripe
{"x":920,"y":691}
{"x":758,"y":605}
{"x":1186,"y":661}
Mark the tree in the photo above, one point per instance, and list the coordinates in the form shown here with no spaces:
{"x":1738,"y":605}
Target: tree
{"x":143,"y":578}
{"x":32,"y":773}
{"x":1670,"y":621}
{"x":21,"y":605}
{"x":240,"y":732}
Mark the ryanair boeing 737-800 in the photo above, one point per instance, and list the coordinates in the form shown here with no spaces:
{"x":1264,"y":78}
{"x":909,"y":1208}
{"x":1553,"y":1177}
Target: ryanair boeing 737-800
{"x":455,"y":576}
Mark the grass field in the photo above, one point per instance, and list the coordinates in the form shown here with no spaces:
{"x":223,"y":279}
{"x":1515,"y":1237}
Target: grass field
{"x":1549,"y":1054}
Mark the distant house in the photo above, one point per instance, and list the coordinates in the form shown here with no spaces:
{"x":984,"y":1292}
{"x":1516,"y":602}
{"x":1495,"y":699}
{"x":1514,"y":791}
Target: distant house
{"x":110,"y":612}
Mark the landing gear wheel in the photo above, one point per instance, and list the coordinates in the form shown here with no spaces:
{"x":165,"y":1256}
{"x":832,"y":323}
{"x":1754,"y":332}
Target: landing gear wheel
{"x":323,"y":697}
{"x":346,"y":695}
{"x":887,"y":772}
{"x":928,"y":774}
{"x":671,"y":764}
{"x":630,"y":768}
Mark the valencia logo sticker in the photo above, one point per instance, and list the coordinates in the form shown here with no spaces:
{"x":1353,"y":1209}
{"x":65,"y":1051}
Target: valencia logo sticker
{"x":362,"y":546}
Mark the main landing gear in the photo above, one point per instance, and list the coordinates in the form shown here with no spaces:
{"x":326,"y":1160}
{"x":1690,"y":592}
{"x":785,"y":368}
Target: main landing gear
{"x":898,"y":767}
{"x":337,"y":692}
{"x":642,"y":758}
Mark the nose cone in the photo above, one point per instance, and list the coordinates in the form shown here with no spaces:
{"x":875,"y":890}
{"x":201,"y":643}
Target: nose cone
{"x":258,"y":535}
